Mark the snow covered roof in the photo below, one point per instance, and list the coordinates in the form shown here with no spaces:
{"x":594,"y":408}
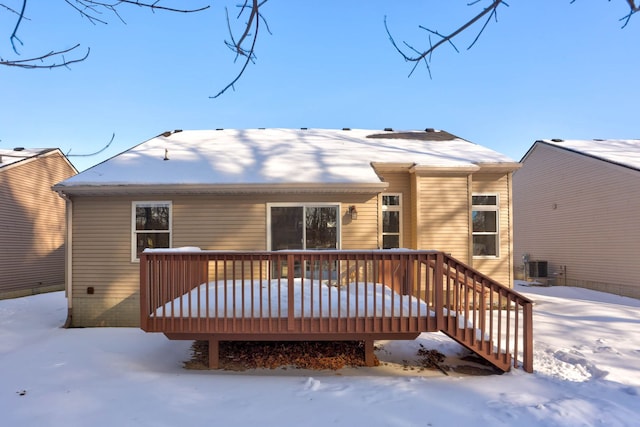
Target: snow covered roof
{"x":624,"y":152}
{"x":281,"y":157}
{"x":11,"y":157}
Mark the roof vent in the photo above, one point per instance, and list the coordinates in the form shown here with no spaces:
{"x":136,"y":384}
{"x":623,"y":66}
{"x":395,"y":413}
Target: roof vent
{"x":388,"y":129}
{"x":170,"y":132}
{"x":557,"y":140}
{"x":429,"y":130}
{"x":18,"y":149}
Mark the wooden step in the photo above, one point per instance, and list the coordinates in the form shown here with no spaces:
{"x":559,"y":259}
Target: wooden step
{"x":483,"y":348}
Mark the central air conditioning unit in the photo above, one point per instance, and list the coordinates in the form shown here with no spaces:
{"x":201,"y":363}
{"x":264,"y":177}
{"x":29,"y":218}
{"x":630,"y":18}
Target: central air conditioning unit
{"x":537,"y":269}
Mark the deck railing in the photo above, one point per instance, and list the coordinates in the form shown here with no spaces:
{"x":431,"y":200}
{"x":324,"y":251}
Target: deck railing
{"x":307,"y":295}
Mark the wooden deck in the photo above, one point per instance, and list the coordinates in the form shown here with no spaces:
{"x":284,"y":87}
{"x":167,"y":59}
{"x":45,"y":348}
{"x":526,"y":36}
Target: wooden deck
{"x":332,"y":295}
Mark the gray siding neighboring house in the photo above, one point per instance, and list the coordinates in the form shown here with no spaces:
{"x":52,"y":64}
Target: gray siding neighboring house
{"x":577,"y":207}
{"x":32,"y":221}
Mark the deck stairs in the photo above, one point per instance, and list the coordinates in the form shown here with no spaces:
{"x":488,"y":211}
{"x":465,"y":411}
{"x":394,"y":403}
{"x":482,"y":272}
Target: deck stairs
{"x":486,"y":317}
{"x":483,"y":348}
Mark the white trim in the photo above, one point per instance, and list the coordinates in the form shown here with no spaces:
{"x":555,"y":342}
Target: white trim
{"x":391,"y":208}
{"x":271,"y":188}
{"x":68,"y":256}
{"x":68,"y":273}
{"x":149,"y":203}
{"x":486,"y":208}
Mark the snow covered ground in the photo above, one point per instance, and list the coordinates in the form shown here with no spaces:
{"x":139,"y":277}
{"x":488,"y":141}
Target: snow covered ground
{"x":587,"y":373}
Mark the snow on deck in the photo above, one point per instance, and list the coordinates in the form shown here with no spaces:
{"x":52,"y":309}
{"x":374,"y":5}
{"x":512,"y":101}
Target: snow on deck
{"x":312,"y":298}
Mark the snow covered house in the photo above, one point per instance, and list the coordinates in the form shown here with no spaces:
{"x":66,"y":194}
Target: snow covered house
{"x":576,"y":205}
{"x":274,"y":189}
{"x":32,"y":219}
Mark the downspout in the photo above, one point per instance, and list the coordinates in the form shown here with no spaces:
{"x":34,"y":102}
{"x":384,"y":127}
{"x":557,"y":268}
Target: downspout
{"x":68,"y":276}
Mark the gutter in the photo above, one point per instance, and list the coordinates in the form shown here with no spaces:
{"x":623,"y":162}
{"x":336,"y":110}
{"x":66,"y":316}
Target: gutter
{"x":273,"y":188}
{"x":68,"y":242}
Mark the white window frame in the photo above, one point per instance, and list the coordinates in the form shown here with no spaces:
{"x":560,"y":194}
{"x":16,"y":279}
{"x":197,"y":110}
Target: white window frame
{"x":135,"y":232}
{"x":486,"y":208}
{"x":390,"y":208}
{"x":304,"y":205}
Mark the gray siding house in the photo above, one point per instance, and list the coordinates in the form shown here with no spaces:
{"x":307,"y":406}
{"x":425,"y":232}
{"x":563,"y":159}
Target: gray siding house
{"x":576,"y":220}
{"x":32,"y":221}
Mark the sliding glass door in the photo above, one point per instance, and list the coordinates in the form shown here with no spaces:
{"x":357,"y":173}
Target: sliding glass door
{"x":303,"y":227}
{"x":295,"y":227}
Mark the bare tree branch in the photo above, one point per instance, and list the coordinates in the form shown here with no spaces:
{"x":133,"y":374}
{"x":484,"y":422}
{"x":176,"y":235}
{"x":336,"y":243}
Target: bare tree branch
{"x":89,"y":9}
{"x":14,"y":36}
{"x":424,"y":55}
{"x":113,"y":136}
{"x":40,"y":61}
{"x":632,"y":9}
{"x":10,"y":9}
{"x":250,"y":32}
{"x":100,"y":11}
{"x":417,"y":56}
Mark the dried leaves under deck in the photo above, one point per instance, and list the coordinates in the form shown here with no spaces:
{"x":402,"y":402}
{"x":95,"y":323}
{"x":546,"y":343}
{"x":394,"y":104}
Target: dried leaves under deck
{"x":432,"y":359}
{"x":317,"y":355}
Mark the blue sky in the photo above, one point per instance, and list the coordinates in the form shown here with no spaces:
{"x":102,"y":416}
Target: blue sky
{"x":545,"y":69}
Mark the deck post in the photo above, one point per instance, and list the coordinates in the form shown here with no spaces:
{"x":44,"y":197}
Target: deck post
{"x":144,"y":296}
{"x":369,"y":356}
{"x":214,"y":353}
{"x":438,"y":289}
{"x":527,"y":347}
{"x":290,"y":299}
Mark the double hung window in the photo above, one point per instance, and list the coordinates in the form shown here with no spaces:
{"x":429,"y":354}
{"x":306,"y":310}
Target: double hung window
{"x":485,"y":209}
{"x":151,"y":224}
{"x":391,"y":220}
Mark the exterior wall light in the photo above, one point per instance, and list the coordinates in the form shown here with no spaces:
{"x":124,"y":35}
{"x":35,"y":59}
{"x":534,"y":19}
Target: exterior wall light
{"x":353,"y":212}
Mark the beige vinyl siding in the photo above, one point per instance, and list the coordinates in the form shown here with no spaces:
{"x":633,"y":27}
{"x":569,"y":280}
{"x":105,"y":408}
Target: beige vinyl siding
{"x":500,"y":268}
{"x":436,"y":215}
{"x":442,"y":215}
{"x":32,"y":225}
{"x":580,"y":213}
{"x":219,"y":222}
{"x":361,"y":233}
{"x":101,"y":254}
{"x":102,"y":241}
{"x":239,"y":222}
